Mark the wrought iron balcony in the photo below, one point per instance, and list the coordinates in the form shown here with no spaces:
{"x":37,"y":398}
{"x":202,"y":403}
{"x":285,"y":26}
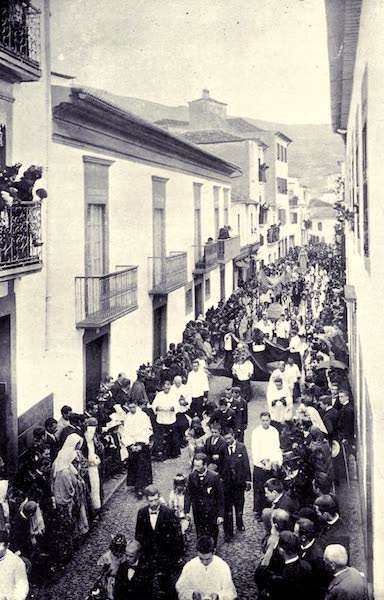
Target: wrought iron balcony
{"x":205,"y":257}
{"x":273,"y":234}
{"x":105,"y":298}
{"x":228,"y":249}
{"x":20,"y":239}
{"x":20,"y":40}
{"x":167,"y":273}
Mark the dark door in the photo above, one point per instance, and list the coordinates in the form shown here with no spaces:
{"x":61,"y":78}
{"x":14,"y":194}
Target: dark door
{"x":5,"y":386}
{"x":222,"y":282}
{"x":93,"y":367}
{"x":159,"y":331}
{"x":198,"y":299}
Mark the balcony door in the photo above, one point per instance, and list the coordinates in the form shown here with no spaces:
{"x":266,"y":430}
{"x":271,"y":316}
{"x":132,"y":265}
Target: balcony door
{"x":216,"y":199}
{"x":5,"y":385}
{"x":96,"y":189}
{"x":159,"y":232}
{"x":2,"y":146}
{"x":96,"y":184}
{"x":96,"y":250}
{"x":197,"y":221}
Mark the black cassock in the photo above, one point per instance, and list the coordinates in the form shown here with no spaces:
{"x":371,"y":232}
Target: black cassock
{"x":139,"y":465}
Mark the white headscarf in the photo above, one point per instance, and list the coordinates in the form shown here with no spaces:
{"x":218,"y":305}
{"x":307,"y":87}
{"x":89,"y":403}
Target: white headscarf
{"x":67,"y":455}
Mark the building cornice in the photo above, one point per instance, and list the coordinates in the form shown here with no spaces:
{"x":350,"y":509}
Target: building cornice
{"x":83,"y":112}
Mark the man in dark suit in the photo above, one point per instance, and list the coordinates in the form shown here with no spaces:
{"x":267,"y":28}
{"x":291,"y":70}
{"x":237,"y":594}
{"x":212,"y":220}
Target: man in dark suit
{"x":346,"y":583}
{"x":330,"y":417}
{"x":333,"y":531}
{"x":277,"y":497}
{"x":132,"y":580}
{"x":346,"y":422}
{"x":224,"y":415}
{"x":236,"y":480}
{"x":215,"y":448}
{"x":50,"y":438}
{"x":117,"y":385}
{"x":205,"y":495}
{"x":295,"y":577}
{"x":159,"y":535}
{"x":76,"y":422}
{"x":312,"y":552}
{"x":240,"y":408}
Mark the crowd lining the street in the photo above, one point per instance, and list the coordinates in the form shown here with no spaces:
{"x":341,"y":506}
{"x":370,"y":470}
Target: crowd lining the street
{"x":301,"y":451}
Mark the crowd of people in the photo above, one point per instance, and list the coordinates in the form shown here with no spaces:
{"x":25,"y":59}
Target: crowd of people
{"x":301,"y":451}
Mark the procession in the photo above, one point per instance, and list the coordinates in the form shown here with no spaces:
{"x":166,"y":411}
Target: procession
{"x":191,"y":275}
{"x":294,"y":462}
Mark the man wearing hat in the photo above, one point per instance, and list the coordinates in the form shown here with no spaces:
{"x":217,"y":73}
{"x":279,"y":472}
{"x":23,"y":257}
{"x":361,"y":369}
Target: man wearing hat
{"x":13,"y":575}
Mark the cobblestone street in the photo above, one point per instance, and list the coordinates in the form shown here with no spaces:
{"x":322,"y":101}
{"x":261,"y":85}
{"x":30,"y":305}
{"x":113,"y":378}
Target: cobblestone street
{"x":119,"y":515}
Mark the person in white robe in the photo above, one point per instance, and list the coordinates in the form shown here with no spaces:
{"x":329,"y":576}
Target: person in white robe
{"x":207,"y":576}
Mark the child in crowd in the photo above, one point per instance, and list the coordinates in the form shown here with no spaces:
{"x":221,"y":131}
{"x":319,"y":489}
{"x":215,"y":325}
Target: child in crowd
{"x":110,"y":562}
{"x":195,"y":436}
{"x":176,"y":501}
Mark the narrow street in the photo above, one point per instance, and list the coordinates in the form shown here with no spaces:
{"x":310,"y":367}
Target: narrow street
{"x":119,"y":516}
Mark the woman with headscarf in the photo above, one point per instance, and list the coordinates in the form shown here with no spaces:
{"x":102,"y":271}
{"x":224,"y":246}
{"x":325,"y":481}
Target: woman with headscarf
{"x":68,"y":489}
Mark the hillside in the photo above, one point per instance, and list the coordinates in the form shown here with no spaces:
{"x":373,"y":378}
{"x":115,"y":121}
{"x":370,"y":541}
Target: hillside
{"x":313,"y":154}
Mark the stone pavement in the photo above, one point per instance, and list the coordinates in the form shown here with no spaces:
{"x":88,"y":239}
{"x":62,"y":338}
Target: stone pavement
{"x":119,"y":516}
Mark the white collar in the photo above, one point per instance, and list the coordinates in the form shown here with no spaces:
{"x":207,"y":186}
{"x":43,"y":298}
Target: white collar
{"x":308,"y":545}
{"x":277,"y":498}
{"x":291,"y":560}
{"x":340,"y":572}
{"x":333,"y":521}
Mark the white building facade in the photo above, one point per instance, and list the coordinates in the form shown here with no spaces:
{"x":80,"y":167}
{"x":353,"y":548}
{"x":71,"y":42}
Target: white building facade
{"x":357,"y":97}
{"x":138,"y":213}
{"x":25,"y":394}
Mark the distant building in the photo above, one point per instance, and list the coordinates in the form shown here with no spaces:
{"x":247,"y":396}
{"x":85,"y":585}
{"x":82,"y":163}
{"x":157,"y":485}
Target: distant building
{"x":299,"y":198}
{"x":356,"y":50}
{"x":264,"y":214}
{"x":322,"y":220}
{"x":248,"y":191}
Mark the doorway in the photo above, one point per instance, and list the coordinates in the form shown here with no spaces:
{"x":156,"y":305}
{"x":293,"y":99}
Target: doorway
{"x":159,"y":331}
{"x":96,"y":352}
{"x":5,"y":386}
{"x":198,"y":299}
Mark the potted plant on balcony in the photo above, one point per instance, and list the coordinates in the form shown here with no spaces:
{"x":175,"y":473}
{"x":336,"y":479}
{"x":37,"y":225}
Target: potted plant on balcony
{"x":15,"y":196}
{"x":346,"y":215}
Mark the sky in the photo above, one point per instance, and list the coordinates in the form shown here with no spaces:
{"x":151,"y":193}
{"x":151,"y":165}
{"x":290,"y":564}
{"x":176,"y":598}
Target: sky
{"x":267,"y":59}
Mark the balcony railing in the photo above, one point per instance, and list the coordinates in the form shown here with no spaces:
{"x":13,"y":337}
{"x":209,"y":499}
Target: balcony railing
{"x":20,"y":39}
{"x":205,"y":257}
{"x":105,"y":298}
{"x":20,"y":238}
{"x":273,"y":234}
{"x":167,"y":273}
{"x":228,"y":249}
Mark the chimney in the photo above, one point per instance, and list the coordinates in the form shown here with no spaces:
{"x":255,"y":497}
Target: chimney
{"x":206,"y":94}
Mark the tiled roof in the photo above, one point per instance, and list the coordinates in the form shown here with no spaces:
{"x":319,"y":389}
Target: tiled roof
{"x":317,"y":202}
{"x":323,"y":212}
{"x":211,"y":137}
{"x":243,"y":126}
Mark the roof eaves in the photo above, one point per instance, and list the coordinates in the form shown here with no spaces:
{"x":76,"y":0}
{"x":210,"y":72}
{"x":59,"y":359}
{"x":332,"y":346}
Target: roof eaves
{"x":83,"y":94}
{"x":343,"y":21}
{"x":284,"y":137}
